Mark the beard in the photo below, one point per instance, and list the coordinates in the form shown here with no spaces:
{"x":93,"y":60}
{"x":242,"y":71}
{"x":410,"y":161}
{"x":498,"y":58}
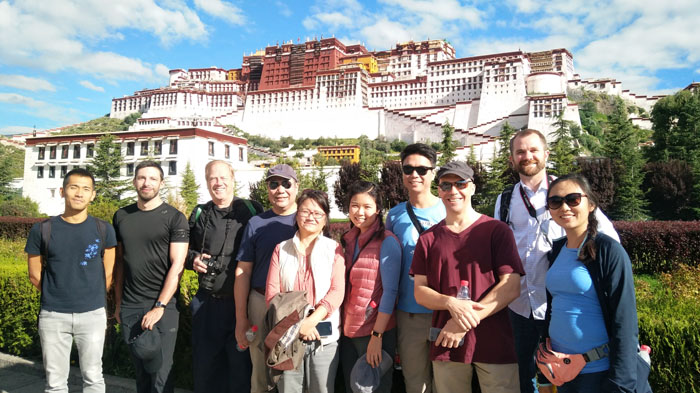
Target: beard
{"x":524,"y":169}
{"x":147,"y":196}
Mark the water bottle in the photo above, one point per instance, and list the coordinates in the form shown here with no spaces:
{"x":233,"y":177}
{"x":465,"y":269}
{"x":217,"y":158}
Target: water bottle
{"x":249,"y":335}
{"x":463,"y":293}
{"x":370,"y":309}
{"x":644,"y":352}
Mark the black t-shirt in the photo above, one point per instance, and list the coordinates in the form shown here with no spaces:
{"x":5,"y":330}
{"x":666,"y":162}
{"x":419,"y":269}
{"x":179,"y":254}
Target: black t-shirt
{"x":208,"y":233}
{"x":73,"y":278}
{"x":146,"y":238}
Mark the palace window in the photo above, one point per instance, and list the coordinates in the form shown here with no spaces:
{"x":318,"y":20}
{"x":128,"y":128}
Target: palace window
{"x":157,"y":147}
{"x":52,"y":152}
{"x":144,"y":148}
{"x":52,"y":172}
{"x":42,"y":152}
{"x":173,"y":146}
{"x":172,"y":168}
{"x":90,"y":150}
{"x":76,"y":151}
{"x":130,"y":148}
{"x":64,"y":152}
{"x":40,"y":172}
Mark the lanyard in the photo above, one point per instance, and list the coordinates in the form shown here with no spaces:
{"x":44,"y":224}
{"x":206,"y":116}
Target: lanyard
{"x":526,"y":200}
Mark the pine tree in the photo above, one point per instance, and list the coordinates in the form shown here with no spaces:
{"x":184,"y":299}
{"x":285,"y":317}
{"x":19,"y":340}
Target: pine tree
{"x":448,"y":145}
{"x":189,"y":188}
{"x":621,"y":144}
{"x":499,"y":174}
{"x":563,"y":151}
{"x":106,"y":167}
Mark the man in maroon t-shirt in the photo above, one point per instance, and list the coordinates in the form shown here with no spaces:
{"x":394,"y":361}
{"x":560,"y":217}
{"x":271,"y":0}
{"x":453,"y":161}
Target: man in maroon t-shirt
{"x":473,"y":247}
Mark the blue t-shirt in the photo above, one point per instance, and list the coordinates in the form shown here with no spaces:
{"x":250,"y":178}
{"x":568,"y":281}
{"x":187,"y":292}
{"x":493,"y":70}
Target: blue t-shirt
{"x":262,"y":234}
{"x":577,"y":323}
{"x":389,"y":271}
{"x":73,"y":279}
{"x":399,"y":222}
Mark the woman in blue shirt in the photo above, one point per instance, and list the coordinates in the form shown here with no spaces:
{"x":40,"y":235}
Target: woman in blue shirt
{"x":591,"y":288}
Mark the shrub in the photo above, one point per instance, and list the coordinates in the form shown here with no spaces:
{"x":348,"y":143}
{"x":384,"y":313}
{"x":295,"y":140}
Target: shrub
{"x":19,"y":207}
{"x":667,"y":308}
{"x":16,"y":227}
{"x":659,"y":246}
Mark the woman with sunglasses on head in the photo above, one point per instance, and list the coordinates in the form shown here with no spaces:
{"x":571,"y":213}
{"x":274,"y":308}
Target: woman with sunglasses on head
{"x":592,"y":309}
{"x":373,"y":267}
{"x":311,"y":262}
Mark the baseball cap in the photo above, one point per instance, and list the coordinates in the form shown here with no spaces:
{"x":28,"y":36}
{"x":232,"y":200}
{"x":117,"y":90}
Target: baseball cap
{"x":282,"y":170}
{"x":366,"y":379}
{"x":458,"y":168}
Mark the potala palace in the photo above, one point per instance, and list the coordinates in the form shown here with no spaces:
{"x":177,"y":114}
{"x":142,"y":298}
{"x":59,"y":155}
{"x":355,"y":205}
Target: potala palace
{"x":324,"y":88}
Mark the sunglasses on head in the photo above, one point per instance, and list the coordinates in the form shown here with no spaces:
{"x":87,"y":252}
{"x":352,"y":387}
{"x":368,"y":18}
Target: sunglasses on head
{"x":273,"y":184}
{"x":421,"y":170}
{"x":572,"y":200}
{"x":447,"y":185}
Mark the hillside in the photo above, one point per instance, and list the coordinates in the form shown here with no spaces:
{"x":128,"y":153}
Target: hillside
{"x":100,"y":125}
{"x":13,"y":157}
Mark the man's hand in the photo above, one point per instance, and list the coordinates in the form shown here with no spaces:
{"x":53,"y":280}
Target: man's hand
{"x":242,"y":326}
{"x":463,"y":312}
{"x":450,"y":335}
{"x":152,"y":317}
{"x":199,"y":266}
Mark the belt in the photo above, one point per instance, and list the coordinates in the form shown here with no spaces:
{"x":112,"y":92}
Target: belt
{"x":260,"y":291}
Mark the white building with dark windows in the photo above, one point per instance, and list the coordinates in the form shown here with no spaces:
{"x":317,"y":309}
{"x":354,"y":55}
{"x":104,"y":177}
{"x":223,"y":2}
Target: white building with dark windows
{"x":49,"y":158}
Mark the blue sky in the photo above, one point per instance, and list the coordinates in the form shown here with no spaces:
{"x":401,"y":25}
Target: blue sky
{"x":61,"y":62}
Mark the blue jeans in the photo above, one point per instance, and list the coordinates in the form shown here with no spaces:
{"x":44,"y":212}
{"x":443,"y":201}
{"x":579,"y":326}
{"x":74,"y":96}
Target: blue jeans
{"x":57,"y":331}
{"x":584,"y":383}
{"x":217,"y":365}
{"x":527,"y":333}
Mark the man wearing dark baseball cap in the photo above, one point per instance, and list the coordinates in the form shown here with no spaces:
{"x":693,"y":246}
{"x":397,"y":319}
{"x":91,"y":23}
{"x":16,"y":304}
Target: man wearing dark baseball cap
{"x":476,"y":249}
{"x":261,"y":235}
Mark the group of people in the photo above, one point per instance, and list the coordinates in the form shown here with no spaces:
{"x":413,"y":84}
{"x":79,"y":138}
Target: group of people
{"x":450,"y":291}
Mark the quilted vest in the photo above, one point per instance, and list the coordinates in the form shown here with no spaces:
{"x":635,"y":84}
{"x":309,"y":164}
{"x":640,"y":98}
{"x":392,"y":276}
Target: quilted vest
{"x":363,"y":282}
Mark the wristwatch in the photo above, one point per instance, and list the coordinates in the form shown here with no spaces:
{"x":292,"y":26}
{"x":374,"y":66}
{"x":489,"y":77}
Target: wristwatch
{"x":160,"y":304}
{"x":376,"y":334}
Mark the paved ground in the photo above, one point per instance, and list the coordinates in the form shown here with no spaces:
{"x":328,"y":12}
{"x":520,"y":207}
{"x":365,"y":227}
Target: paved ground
{"x":19,"y":375}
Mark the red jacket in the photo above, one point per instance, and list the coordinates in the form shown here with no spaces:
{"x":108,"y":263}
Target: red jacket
{"x":363,"y":282}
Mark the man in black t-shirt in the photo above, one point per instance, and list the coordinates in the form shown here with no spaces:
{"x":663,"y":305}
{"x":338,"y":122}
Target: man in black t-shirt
{"x":216,"y":229}
{"x":152,"y":246}
{"x":70,"y":260}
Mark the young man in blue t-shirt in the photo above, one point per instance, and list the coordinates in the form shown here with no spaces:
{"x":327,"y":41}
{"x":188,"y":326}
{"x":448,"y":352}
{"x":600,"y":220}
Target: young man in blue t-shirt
{"x":413,"y":320}
{"x":72,"y":269}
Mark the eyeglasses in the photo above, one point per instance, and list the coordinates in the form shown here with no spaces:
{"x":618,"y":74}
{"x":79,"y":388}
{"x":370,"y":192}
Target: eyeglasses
{"x":460,"y":184}
{"x":572,"y":200}
{"x":273,"y":184}
{"x":308,"y":213}
{"x":421,"y":170}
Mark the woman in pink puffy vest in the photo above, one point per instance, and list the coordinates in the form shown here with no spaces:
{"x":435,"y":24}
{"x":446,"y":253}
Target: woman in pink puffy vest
{"x":372,"y":270}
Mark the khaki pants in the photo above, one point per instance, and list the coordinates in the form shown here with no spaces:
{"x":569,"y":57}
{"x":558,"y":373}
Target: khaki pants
{"x":414,"y":349}
{"x":454,"y":377}
{"x":256,"y":315}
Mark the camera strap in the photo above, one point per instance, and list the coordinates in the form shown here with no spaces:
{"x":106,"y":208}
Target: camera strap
{"x":206,"y":227}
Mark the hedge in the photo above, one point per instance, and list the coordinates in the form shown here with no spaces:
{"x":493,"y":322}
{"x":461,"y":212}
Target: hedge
{"x":659,"y":246}
{"x":16,"y":227}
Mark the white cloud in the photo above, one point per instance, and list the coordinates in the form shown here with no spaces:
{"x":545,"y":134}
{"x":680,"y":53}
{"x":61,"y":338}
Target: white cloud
{"x":222,"y":10}
{"x":83,"y":99}
{"x":25,"y":83}
{"x":10,"y":130}
{"x":64,"y":36}
{"x":283,"y":9}
{"x":39,"y":108}
{"x":91,"y":86}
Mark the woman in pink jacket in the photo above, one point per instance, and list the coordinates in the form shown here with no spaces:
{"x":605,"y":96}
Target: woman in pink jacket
{"x":311,"y":262}
{"x":373,"y":267}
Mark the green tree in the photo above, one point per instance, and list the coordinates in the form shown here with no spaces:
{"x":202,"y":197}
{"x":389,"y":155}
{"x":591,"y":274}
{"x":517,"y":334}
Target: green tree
{"x":563,"y":151}
{"x":19,"y":206}
{"x":448,"y":145}
{"x":258,"y":192}
{"x":106,"y":166}
{"x":499,"y":173}
{"x":189,"y":188}
{"x":621,"y":144}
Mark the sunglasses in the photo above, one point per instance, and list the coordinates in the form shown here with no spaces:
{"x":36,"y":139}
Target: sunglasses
{"x":572,"y":200}
{"x":447,"y":186}
{"x":273,"y":184}
{"x":421,"y":170}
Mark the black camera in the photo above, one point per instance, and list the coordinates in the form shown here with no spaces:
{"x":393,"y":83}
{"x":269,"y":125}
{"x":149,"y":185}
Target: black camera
{"x":214,"y":267}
